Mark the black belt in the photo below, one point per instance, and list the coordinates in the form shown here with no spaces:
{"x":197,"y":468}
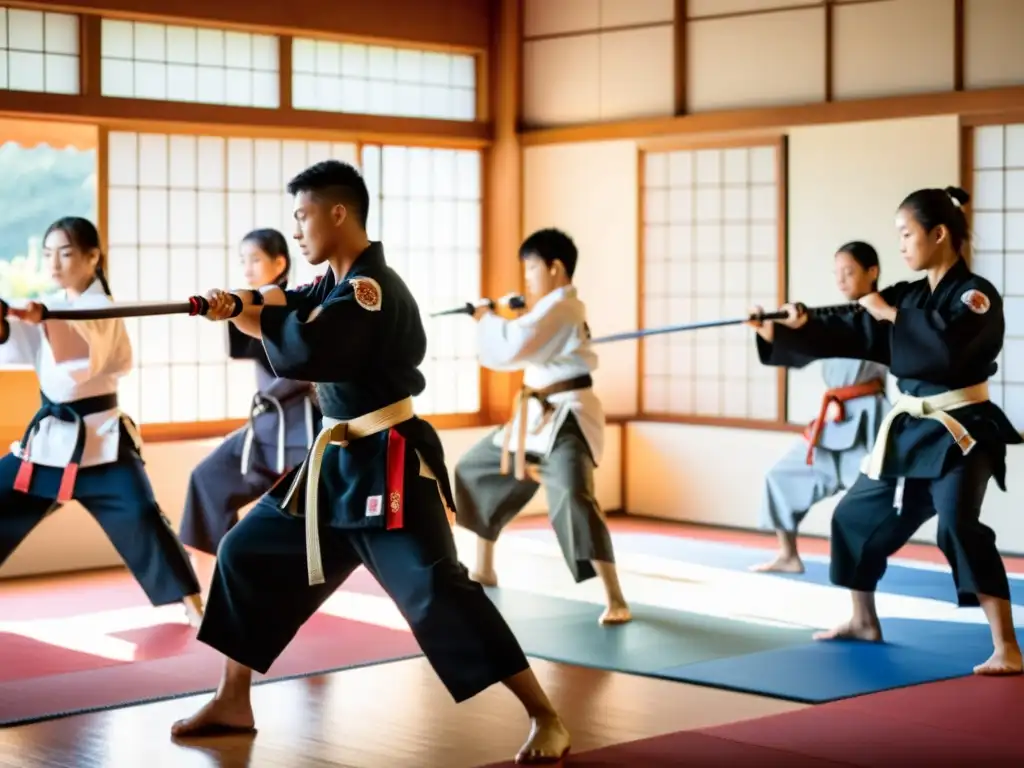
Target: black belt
{"x":73,"y":412}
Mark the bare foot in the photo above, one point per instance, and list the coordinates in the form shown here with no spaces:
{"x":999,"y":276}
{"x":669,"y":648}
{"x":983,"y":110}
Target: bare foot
{"x":486,"y":579}
{"x":616,"y":613}
{"x":867,"y":631}
{"x":194,"y":610}
{"x":781,"y":564}
{"x":219,"y":717}
{"x":1005,"y":660}
{"x":547,"y":744}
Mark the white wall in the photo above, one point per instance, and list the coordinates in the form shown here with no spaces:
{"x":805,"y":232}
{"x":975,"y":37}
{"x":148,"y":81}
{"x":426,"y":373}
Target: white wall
{"x":591,"y":191}
{"x":845,"y":182}
{"x":70,"y":539}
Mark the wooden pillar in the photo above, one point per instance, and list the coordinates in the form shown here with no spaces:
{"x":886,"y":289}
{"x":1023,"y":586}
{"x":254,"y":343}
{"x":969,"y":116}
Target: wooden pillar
{"x":503,"y":184}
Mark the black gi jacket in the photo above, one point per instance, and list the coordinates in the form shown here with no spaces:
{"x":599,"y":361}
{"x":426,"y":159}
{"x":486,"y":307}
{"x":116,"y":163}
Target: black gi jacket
{"x":942,"y":340}
{"x":362,"y":351}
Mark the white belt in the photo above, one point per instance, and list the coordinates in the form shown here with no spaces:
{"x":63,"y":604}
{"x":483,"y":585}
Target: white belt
{"x":933,"y":407}
{"x":250,"y":432}
{"x":339,"y":433}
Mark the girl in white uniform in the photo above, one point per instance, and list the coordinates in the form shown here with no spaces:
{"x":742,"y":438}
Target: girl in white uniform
{"x":79,"y":446}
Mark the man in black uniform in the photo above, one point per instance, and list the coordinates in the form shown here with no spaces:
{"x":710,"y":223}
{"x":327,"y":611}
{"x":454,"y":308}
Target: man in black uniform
{"x":942,"y":441}
{"x":372,"y":491}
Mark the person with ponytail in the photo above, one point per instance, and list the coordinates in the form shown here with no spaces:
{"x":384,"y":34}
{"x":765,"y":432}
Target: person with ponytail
{"x":943,"y":440}
{"x":80,"y":446}
{"x":827,"y":460}
{"x":283,"y":420}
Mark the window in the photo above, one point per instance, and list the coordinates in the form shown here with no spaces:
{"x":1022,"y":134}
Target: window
{"x":177,"y":63}
{"x":62,"y":178}
{"x":375,"y":80}
{"x":38,"y":51}
{"x":177,"y":208}
{"x":711,"y":251}
{"x":997,"y":210}
{"x":425,"y":206}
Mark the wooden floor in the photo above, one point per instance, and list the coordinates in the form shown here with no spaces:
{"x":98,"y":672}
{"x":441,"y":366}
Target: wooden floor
{"x":394,"y":715}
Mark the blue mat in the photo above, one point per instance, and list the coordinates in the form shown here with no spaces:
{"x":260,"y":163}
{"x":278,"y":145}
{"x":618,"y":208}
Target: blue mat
{"x":915,"y":652}
{"x":898,"y":580}
{"x":741,"y":656}
{"x":737,"y":655}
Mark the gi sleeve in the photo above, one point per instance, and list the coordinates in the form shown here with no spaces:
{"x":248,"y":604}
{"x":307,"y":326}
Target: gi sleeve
{"x":304,"y":296}
{"x":772,"y":354}
{"x":23,"y":344}
{"x":87,"y":348}
{"x":331,"y":343}
{"x":933,"y":344}
{"x":241,"y":346}
{"x":535,"y":337}
{"x":854,"y":335}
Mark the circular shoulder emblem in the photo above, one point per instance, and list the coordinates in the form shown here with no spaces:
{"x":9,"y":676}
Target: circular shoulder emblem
{"x":367,"y":293}
{"x":976,"y":301}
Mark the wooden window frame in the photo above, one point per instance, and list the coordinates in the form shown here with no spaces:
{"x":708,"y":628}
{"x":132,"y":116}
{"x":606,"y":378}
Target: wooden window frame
{"x":968,"y":124}
{"x":107,"y":114}
{"x":779,"y":142}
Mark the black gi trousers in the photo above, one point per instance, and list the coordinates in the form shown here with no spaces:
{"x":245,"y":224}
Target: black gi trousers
{"x":260,"y":595}
{"x":867,"y":529}
{"x":217,"y":489}
{"x":120,"y":498}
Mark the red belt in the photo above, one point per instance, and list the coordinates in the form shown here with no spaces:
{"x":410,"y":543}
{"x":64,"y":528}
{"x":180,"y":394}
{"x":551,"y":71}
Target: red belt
{"x":838,"y":395}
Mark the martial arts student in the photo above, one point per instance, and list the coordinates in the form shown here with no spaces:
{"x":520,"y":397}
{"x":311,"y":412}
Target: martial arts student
{"x":283,"y":420}
{"x":943,"y":439}
{"x":828,"y":459}
{"x":80,"y":446}
{"x":373,"y":490}
{"x":557,"y":425}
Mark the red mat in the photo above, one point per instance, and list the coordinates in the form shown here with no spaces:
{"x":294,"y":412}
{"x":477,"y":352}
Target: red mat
{"x":688,"y":748}
{"x":39,"y":680}
{"x":969,"y":721}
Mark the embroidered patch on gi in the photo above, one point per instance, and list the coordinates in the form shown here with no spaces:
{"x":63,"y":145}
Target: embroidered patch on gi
{"x":368,"y":294}
{"x":373,"y":505}
{"x":976,"y":301}
{"x":396,"y":501}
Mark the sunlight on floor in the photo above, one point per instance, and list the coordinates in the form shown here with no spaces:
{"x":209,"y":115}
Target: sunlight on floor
{"x":532,"y":565}
{"x":528,"y":564}
{"x":369,"y":609}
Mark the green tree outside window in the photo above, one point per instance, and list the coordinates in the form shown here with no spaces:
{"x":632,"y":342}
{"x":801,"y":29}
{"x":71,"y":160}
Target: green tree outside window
{"x":38,"y":185}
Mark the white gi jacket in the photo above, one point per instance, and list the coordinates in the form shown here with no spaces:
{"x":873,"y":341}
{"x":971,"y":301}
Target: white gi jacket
{"x":69,"y":370}
{"x":549,"y":343}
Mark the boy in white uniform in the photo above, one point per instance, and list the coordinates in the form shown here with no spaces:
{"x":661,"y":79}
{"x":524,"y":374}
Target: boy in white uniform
{"x":557,"y":426}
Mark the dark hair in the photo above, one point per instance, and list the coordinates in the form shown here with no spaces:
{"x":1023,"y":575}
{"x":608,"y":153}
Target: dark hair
{"x":864,"y":254}
{"x":934,"y":207}
{"x":551,"y":245}
{"x":83,"y":236}
{"x":272,"y":243}
{"x":335,"y":182}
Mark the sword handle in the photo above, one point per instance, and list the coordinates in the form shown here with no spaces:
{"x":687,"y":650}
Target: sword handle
{"x":199,"y":306}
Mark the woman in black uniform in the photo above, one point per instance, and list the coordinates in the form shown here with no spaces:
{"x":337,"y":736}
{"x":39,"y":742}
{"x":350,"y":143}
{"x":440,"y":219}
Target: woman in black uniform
{"x":283,"y":420}
{"x":943,"y":440}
